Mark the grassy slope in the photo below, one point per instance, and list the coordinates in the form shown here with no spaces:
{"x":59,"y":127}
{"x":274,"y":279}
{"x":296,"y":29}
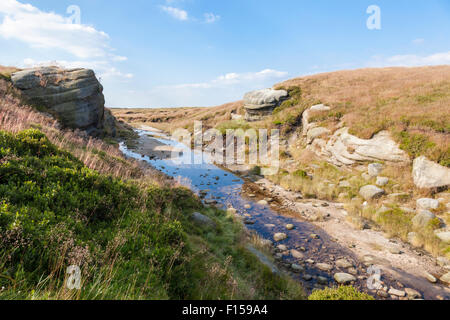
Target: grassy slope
{"x":412,"y":103}
{"x":68,"y":199}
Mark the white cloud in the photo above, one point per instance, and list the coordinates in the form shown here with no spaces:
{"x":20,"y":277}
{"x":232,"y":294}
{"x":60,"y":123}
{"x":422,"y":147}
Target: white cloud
{"x":176,"y":13}
{"x":225,"y":88}
{"x":418,"y":41}
{"x":211,"y":17}
{"x":231,"y":79}
{"x":411,"y":60}
{"x":38,"y":29}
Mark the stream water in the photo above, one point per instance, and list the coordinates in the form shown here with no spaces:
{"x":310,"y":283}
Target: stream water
{"x":225,"y":190}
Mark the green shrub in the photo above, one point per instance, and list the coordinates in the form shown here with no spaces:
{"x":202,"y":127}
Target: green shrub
{"x":340,"y":293}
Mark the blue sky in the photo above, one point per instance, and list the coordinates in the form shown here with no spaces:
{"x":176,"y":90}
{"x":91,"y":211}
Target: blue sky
{"x":168,"y":53}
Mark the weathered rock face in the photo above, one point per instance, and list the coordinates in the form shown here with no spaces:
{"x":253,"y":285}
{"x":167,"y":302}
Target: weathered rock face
{"x":261,"y":103}
{"x":428,"y":174}
{"x":74,"y":96}
{"x":343,"y":148}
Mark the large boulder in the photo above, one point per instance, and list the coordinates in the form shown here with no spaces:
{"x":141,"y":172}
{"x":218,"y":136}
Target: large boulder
{"x":73,"y":96}
{"x":261,"y":103}
{"x":428,"y":174}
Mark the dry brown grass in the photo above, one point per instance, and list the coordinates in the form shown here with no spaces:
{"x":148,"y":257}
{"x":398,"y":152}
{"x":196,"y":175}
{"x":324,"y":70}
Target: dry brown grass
{"x":94,"y":153}
{"x":412,"y":103}
{"x":171,"y":119}
{"x":5,"y":72}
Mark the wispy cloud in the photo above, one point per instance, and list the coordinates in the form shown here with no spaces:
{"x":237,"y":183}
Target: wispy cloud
{"x":225,"y":88}
{"x":103,"y":68}
{"x":231,"y":79}
{"x":411,"y":60}
{"x":211,"y":17}
{"x":418,"y":41}
{"x":40,"y":29}
{"x":47,"y":30}
{"x":176,"y":13}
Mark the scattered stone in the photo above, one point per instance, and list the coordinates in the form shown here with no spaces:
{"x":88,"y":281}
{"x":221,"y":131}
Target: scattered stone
{"x":444,"y":236}
{"x":344,"y":278}
{"x":310,"y":261}
{"x":307,"y":277}
{"x":442,"y":261}
{"x":394,"y":250}
{"x":422,"y":219}
{"x":395,"y":292}
{"x":314,"y":236}
{"x":446,"y":278}
{"x":263,"y":203}
{"x":352,"y":271}
{"x":297,"y":268}
{"x":412,"y":294}
{"x":322,"y":280}
{"x":324,"y":266}
{"x":282,"y":247}
{"x":427,"y":204}
{"x":279,"y":237}
{"x":247,"y":206}
{"x":382,"y":294}
{"x":382,"y":181}
{"x":366,"y":176}
{"x":374,"y":169}
{"x":344,"y":264}
{"x":231,"y":211}
{"x":297,"y":254}
{"x":430,"y":277}
{"x":290,"y":226}
{"x":371,"y":192}
{"x":428,"y":174}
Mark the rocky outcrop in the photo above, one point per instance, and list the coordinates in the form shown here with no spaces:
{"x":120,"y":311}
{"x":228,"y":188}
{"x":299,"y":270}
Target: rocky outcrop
{"x":261,"y":103}
{"x":306,"y":117}
{"x":343,"y":148}
{"x":73,"y":96}
{"x":428,"y":174}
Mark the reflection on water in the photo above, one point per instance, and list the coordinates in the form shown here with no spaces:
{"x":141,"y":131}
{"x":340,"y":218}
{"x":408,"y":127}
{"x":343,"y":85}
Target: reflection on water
{"x":225,"y":189}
